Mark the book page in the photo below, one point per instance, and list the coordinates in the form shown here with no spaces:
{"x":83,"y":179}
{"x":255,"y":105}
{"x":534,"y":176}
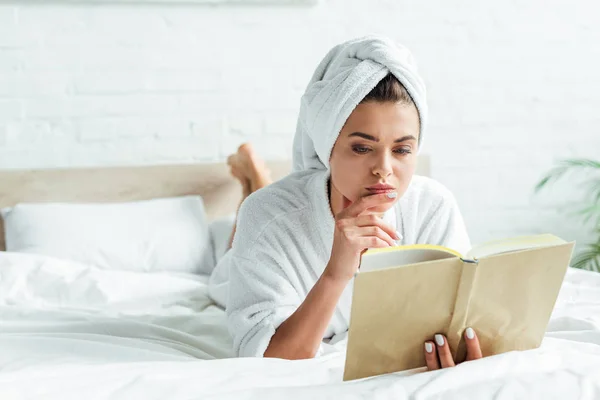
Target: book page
{"x":513,"y":244}
{"x":514,"y":295}
{"x":403,"y":255}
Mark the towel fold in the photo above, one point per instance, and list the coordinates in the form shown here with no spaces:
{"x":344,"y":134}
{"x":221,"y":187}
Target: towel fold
{"x":342,"y":79}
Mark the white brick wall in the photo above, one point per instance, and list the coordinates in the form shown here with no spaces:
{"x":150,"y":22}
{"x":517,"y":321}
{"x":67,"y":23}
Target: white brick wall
{"x":513,"y":86}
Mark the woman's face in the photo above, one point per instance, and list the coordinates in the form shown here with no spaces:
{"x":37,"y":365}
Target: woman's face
{"x":375,"y":152}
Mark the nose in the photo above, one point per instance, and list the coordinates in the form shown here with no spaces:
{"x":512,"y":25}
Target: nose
{"x":383,"y":166}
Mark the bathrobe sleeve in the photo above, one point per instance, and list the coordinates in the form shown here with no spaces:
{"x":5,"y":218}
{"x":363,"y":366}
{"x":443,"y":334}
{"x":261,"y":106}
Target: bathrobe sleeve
{"x":261,"y":297}
{"x":267,"y":273}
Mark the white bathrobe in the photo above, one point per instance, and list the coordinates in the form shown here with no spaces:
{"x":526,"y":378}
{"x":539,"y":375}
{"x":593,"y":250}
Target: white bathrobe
{"x":285,"y":231}
{"x":283,"y":243}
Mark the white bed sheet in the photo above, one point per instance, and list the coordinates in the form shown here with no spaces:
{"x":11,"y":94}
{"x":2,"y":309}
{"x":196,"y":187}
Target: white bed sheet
{"x":69,"y":331}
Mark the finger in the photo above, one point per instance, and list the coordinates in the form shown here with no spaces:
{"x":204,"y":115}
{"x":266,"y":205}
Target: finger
{"x":473,"y":347}
{"x":431,"y":358}
{"x":444,"y":351}
{"x":364,"y":203}
{"x":372,"y":242}
{"x":373,"y":220}
{"x":375,"y":231}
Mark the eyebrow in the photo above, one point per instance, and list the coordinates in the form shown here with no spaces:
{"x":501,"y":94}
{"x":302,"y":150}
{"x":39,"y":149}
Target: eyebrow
{"x":374,"y":139}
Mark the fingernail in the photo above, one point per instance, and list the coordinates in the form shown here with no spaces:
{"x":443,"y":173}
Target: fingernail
{"x":470,"y":333}
{"x":428,"y":347}
{"x":392,"y":195}
{"x":398,"y":235}
{"x":439,"y":339}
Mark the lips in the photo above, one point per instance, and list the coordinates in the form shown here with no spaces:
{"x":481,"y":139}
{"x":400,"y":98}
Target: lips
{"x":380,"y":188}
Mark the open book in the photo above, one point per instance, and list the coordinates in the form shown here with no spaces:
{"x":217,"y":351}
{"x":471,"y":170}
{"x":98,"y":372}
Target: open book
{"x":402,"y":296}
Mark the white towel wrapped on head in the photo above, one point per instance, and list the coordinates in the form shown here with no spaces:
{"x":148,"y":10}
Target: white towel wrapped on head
{"x":341,"y":81}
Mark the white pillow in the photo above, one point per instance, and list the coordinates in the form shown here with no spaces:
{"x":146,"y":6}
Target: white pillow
{"x":169,"y":234}
{"x":220,"y":235}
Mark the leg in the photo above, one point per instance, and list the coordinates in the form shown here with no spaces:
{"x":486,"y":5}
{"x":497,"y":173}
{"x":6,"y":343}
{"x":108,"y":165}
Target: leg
{"x":250,"y":171}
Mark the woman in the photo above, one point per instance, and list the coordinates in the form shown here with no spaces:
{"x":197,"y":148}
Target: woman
{"x":286,"y":282}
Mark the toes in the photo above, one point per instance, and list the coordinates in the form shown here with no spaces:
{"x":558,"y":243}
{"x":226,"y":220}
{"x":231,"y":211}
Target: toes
{"x":246,"y":153}
{"x":246,"y":148}
{"x":248,"y":156}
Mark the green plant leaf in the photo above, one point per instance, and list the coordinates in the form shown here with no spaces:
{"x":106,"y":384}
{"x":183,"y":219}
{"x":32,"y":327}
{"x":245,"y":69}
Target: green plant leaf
{"x":582,"y":162}
{"x":588,"y":259}
{"x":594,"y":191}
{"x":563,"y":167}
{"x":589,"y":213}
{"x":553,"y":175}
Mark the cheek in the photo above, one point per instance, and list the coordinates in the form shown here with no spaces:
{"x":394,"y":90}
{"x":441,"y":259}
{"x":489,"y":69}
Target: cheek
{"x":403,"y":175}
{"x":347,"y":177}
{"x":345,"y":180}
{"x":404,"y":171}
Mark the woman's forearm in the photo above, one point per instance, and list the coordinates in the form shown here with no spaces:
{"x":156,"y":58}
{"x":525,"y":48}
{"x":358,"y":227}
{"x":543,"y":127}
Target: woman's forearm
{"x":301,"y":334}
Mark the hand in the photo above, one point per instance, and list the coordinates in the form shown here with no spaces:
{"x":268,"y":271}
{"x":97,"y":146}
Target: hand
{"x":440,"y":357}
{"x":356,"y":230}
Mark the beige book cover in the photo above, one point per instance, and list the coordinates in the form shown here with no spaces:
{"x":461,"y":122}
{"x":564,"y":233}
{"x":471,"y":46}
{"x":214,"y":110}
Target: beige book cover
{"x":402,"y":296}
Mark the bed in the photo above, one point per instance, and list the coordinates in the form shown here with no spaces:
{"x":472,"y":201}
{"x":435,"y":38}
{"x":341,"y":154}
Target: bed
{"x":69,"y":330}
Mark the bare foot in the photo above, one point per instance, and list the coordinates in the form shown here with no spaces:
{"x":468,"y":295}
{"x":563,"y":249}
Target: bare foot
{"x":254,"y":167}
{"x":236,"y":168}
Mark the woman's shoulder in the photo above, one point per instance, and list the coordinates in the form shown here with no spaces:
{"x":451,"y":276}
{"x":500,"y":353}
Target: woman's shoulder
{"x":286,"y":195}
{"x":285,"y":201}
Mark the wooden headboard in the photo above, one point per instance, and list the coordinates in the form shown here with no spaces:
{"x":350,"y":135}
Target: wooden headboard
{"x":220,"y":192}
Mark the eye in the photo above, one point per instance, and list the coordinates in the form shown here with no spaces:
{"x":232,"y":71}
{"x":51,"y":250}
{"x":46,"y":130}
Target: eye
{"x":360,"y":149}
{"x":403,"y":150}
